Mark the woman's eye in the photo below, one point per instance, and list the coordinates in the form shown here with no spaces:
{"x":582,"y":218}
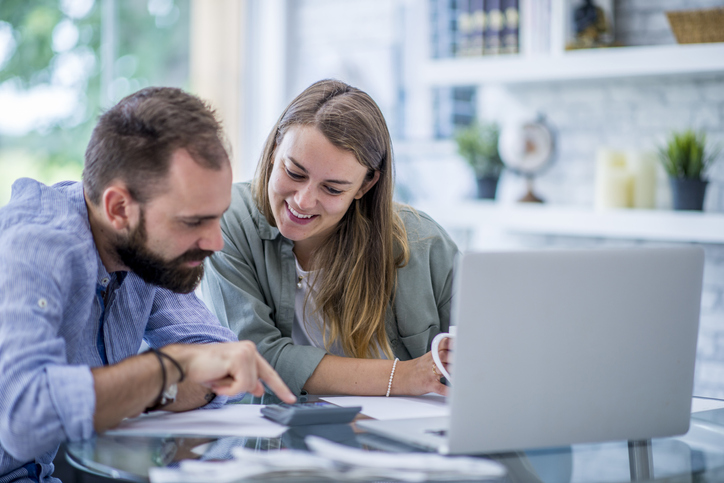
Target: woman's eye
{"x":294,"y":175}
{"x":333,"y":191}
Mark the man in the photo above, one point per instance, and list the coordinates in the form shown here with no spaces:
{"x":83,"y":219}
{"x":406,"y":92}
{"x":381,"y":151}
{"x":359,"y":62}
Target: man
{"x":91,"y":269}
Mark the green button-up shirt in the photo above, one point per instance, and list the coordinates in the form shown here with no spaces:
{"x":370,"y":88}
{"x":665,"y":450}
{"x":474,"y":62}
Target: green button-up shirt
{"x":250,"y":285}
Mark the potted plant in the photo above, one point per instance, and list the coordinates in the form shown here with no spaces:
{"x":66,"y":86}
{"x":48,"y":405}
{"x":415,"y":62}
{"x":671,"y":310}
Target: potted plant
{"x":478,"y":145}
{"x":685,"y":158}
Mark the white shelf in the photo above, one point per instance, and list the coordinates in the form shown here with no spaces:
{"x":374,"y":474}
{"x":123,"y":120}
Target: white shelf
{"x":579,"y":64}
{"x":650,"y":225}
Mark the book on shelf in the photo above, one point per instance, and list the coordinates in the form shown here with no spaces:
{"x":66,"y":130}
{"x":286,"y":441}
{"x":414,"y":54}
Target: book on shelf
{"x":493,"y":26}
{"x":509,"y":35}
{"x":477,"y":14}
{"x":464,"y":28}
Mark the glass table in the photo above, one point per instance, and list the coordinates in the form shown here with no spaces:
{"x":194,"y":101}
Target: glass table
{"x":697,"y":456}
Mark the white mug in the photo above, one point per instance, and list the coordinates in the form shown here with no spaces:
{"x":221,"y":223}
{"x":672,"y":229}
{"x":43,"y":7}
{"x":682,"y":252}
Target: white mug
{"x":436,"y":356}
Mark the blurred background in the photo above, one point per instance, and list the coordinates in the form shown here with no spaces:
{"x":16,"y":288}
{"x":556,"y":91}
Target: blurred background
{"x":604,"y":88}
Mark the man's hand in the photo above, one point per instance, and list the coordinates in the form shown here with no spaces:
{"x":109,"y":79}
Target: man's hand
{"x":125,"y":389}
{"x":229,"y":368}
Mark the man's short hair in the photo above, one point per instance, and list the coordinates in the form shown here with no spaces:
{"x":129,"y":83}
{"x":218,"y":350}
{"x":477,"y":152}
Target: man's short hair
{"x":134,"y":140}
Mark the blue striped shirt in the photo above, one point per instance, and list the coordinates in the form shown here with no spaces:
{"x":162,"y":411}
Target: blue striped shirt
{"x":54,"y":325}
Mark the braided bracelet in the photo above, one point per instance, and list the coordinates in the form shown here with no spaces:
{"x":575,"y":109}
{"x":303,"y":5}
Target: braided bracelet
{"x":392,"y":374}
{"x":173,"y":361}
{"x":157,"y":403}
{"x":160,"y":355}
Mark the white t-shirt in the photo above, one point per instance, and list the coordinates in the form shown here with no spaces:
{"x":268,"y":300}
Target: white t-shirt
{"x":307,"y":326}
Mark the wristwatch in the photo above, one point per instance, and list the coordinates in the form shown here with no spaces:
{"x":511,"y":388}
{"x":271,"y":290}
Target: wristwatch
{"x":169,"y":395}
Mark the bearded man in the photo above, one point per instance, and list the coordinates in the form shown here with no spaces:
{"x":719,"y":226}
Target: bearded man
{"x":92,"y":269}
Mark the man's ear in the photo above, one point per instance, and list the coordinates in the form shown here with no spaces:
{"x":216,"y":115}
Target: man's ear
{"x":119,"y":207}
{"x":367,"y":185}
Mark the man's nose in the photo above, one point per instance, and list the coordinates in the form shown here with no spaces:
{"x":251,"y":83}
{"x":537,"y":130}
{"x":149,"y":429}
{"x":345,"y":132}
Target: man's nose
{"x":212,"y":240}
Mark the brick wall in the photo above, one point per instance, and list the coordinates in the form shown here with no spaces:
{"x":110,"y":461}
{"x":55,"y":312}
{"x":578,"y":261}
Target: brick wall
{"x":359,"y":41}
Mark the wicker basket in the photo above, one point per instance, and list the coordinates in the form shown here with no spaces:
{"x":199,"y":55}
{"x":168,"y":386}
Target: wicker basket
{"x":697,"y":26}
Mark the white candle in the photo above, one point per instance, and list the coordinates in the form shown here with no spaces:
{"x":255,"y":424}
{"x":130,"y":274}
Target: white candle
{"x":643,"y":170}
{"x":614,"y":181}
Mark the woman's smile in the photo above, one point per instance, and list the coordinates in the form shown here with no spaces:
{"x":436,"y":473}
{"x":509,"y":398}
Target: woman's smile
{"x":298,"y":217}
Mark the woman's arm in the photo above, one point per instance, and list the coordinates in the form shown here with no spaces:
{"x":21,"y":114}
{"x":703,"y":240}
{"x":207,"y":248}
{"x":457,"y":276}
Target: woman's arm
{"x":370,"y":377}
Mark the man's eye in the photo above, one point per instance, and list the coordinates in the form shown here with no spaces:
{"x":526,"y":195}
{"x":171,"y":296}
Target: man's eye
{"x":193,"y":224}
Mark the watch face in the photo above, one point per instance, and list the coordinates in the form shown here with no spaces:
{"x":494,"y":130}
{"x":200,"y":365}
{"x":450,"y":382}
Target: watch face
{"x":169,"y":395}
{"x":526,"y":148}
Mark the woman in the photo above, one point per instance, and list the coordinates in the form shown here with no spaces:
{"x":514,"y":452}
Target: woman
{"x":332,"y":280}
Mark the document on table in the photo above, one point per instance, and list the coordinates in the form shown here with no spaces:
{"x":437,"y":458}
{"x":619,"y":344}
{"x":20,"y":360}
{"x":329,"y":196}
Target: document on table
{"x":396,"y":407}
{"x":699,"y":404}
{"x":229,"y":420}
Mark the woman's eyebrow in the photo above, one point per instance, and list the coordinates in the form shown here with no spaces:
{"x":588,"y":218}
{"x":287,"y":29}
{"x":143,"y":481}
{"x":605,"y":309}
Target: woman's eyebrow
{"x":334,"y":181}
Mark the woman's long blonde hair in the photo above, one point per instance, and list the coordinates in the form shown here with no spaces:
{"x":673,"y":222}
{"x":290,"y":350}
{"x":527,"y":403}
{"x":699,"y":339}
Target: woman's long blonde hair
{"x":360,"y":259}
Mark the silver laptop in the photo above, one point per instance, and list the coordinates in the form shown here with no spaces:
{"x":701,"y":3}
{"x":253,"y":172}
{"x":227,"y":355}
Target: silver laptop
{"x":561,"y":347}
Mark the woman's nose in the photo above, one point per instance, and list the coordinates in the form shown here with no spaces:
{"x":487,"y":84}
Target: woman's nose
{"x":306,"y":198}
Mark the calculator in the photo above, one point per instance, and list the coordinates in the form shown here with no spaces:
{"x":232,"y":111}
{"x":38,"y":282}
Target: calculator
{"x":301,"y":414}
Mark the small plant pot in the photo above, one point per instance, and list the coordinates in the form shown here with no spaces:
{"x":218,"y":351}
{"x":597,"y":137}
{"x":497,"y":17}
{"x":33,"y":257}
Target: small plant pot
{"x":487,"y":185}
{"x":688,"y":194}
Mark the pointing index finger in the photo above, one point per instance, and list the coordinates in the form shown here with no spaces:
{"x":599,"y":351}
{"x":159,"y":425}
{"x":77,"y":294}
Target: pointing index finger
{"x":274,"y":381}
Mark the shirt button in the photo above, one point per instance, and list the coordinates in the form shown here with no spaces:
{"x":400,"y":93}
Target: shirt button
{"x":104,"y":281}
{"x":42,"y":303}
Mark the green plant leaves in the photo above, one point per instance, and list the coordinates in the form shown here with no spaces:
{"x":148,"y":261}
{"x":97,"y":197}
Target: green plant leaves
{"x":478,"y":145}
{"x":685,"y":155}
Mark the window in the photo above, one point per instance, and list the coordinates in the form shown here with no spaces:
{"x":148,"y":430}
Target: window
{"x":63,"y":61}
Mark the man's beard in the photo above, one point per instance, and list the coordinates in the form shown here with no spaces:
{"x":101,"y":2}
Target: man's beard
{"x":171,"y":275}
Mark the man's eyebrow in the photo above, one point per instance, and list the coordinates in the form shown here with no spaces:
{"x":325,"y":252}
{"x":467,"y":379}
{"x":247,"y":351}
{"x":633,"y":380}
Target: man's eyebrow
{"x":334,"y":181}
{"x":201,"y":217}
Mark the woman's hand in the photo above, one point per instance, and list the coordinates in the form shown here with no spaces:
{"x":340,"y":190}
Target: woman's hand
{"x":417,"y":377}
{"x":444,"y":350}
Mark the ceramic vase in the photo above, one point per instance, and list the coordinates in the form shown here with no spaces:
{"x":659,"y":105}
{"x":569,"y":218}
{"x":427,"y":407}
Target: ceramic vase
{"x":688,"y":194}
{"x":487,"y":185}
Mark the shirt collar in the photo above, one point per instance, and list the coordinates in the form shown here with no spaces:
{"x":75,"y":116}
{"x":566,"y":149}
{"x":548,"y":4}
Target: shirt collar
{"x":266,"y":231}
{"x":77,"y":200}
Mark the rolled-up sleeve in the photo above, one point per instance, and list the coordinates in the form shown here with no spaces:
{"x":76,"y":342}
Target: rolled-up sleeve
{"x":44,"y":400}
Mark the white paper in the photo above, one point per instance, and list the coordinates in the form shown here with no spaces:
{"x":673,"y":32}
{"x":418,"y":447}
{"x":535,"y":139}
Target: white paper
{"x":396,"y":407}
{"x":229,"y":420}
{"x":699,"y":404}
{"x":429,"y":463}
{"x":329,"y":461}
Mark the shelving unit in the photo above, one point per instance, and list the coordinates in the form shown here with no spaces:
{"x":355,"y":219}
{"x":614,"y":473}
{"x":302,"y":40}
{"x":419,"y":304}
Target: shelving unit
{"x":490,"y":219}
{"x":490,"y":222}
{"x":607,"y":63}
{"x":558,"y":64}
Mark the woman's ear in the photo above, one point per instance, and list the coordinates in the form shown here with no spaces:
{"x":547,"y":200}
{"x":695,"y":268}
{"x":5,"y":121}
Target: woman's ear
{"x":367,"y":185}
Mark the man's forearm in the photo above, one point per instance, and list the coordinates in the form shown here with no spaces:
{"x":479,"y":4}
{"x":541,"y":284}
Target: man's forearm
{"x":125,"y":389}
